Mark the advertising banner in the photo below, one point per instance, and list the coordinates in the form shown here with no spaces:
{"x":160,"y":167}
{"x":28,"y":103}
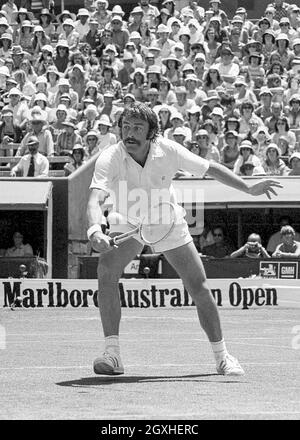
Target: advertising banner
{"x":150,"y":293}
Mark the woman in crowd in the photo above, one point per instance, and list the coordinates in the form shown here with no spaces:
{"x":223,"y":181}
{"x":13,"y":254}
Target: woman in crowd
{"x":282,"y":129}
{"x":273,"y":164}
{"x":77,"y":160}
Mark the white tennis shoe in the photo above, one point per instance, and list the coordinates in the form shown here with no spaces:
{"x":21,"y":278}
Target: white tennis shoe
{"x":230,"y":366}
{"x":108,"y":363}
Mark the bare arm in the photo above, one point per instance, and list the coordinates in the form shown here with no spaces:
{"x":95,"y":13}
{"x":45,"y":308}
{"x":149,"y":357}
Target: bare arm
{"x":99,"y":241}
{"x":224,"y":175}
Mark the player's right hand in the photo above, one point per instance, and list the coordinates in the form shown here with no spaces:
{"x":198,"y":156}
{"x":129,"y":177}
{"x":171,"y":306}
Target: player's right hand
{"x":100,"y":242}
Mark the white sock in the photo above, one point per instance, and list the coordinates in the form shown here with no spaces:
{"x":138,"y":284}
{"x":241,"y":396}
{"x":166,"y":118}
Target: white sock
{"x":220,"y":350}
{"x":112,"y":344}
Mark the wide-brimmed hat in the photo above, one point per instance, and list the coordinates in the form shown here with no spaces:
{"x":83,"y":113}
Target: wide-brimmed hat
{"x":104,"y":120}
{"x":179,"y":131}
{"x":171,"y":58}
{"x":117,"y":10}
{"x":138,"y":70}
{"x":232,"y":133}
{"x":15,"y":15}
{"x":40,"y":97}
{"x":217,"y":111}
{"x":70,"y":122}
{"x":154,"y":69}
{"x":273,"y":146}
{"x":15,"y":91}
{"x":62,"y":43}
{"x":91,"y":108}
{"x":92,"y":133}
{"x":293,"y":156}
{"x":265,"y":91}
{"x":37,"y":115}
{"x":112,"y":48}
{"x":32,"y":140}
{"x":246,"y":144}
{"x":82,"y":12}
{"x":6,"y":36}
{"x":4,"y":70}
{"x":137,"y":10}
{"x":202,"y":132}
{"x":68,"y":22}
{"x":295,"y":97}
{"x":46,"y":11}
{"x":27,"y":23}
{"x":17,"y":50}
{"x":53,"y":69}
{"x":68,"y":13}
{"x":162,"y":28}
{"x":61,"y":108}
{"x":135,"y":36}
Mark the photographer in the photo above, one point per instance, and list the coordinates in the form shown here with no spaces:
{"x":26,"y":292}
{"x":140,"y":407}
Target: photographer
{"x":252,"y":249}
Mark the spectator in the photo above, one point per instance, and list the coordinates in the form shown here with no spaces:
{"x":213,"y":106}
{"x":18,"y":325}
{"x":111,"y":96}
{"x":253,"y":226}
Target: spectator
{"x":33,"y":164}
{"x":276,"y":239}
{"x":68,"y":138}
{"x":37,"y":121}
{"x":77,"y":161}
{"x":289,"y":248}
{"x":206,"y":149}
{"x":272,"y":164}
{"x":221,"y":247}
{"x":252,"y":249}
{"x":230,"y":151}
{"x":294,"y":163}
{"x":19,"y":249}
{"x":282,"y":129}
{"x":247,"y":156}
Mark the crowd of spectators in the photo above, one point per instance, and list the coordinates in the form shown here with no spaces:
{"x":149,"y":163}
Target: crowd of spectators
{"x":226,"y":89}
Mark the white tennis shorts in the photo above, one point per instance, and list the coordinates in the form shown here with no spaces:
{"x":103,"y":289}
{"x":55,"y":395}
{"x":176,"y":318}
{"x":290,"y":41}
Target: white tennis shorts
{"x":179,"y":235}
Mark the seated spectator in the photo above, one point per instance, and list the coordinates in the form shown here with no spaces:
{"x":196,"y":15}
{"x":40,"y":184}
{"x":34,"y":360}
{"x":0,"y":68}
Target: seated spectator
{"x":221,"y":247}
{"x":206,"y":149}
{"x":19,"y":249}
{"x":9,"y":131}
{"x":289,"y":247}
{"x":282,"y":129}
{"x":68,"y":138}
{"x":33,"y":164}
{"x":230,"y":151}
{"x":247,"y":156}
{"x":106,"y":138}
{"x":294,"y":111}
{"x":272,"y":164}
{"x":276,"y":238}
{"x":77,"y":161}
{"x":294,"y":163}
{"x":38,"y":129}
{"x":252,"y":249}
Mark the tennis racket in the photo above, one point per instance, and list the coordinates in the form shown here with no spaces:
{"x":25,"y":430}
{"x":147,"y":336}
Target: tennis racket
{"x":153,"y":228}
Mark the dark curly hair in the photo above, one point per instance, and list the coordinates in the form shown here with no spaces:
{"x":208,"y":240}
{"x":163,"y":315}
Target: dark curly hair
{"x":145,"y":113}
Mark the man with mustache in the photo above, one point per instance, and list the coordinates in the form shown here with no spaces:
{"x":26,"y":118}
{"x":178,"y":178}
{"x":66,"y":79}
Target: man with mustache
{"x":144,"y":163}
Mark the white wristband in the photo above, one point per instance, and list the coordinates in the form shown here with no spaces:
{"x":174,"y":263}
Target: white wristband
{"x":92,"y":230}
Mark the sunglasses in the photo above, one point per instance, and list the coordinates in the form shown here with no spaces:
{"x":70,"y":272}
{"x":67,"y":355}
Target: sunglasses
{"x":218,"y":235}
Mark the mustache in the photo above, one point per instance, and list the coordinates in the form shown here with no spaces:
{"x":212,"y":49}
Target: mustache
{"x":132,"y":140}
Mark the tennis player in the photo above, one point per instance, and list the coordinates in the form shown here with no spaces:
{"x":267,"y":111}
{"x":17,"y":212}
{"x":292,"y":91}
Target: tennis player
{"x":144,"y":161}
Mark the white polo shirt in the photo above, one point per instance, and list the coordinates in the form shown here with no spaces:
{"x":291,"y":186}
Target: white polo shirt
{"x":127,"y":182}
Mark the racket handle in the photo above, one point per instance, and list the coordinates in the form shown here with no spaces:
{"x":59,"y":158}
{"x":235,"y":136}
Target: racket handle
{"x":112,"y":241}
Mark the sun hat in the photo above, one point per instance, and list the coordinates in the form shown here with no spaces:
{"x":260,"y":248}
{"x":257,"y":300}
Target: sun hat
{"x":104,"y":120}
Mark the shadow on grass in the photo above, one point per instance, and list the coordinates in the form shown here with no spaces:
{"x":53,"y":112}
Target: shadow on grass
{"x":109,"y":380}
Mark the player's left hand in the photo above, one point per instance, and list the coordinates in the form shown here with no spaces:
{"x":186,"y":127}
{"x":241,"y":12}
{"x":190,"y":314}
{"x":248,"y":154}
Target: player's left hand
{"x":265,"y":187}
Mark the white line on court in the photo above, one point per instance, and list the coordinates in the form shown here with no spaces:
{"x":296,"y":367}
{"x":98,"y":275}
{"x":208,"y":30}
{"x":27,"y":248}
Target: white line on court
{"x":156,"y":366}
